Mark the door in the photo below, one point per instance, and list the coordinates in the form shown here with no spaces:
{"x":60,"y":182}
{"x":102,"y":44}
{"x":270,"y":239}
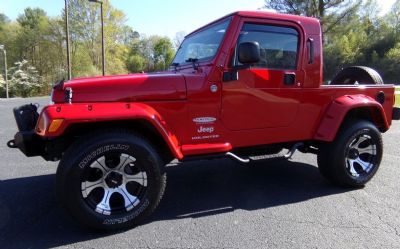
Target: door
{"x":268,"y":94}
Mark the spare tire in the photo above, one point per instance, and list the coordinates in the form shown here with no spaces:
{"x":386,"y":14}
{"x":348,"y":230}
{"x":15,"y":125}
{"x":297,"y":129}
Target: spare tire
{"x":357,"y":75}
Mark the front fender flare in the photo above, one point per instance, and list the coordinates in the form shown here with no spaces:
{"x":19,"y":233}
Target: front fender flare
{"x":340,"y":107}
{"x":79,"y":113}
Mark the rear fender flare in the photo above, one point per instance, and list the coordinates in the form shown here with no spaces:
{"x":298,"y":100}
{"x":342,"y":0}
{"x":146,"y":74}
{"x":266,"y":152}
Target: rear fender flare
{"x":336,"y":113}
{"x":102,"y":112}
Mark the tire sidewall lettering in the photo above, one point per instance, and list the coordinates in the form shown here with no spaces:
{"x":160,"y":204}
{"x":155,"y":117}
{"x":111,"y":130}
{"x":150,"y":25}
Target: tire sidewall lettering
{"x":128,"y":217}
{"x":99,"y":151}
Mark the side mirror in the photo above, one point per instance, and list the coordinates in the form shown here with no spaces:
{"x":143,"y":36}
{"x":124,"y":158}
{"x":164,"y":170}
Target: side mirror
{"x":249,"y":52}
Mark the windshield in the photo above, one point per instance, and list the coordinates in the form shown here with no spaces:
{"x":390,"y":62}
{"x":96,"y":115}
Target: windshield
{"x":201,"y":46}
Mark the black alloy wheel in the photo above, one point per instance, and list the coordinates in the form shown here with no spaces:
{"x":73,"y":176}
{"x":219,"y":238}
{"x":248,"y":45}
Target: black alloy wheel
{"x":110,"y":180}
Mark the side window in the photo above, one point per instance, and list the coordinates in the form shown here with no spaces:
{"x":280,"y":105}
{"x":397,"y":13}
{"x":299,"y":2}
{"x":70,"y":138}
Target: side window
{"x":278,"y":45}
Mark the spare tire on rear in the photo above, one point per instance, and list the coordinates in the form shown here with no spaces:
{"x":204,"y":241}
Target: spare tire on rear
{"x":357,"y":75}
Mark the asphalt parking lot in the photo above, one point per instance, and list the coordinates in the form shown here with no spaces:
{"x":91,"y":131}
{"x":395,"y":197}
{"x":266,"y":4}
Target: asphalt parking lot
{"x":211,"y":204}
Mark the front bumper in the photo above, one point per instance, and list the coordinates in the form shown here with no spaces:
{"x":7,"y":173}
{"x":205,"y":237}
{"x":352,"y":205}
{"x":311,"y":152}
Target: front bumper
{"x":26,"y":138}
{"x":29,"y":143}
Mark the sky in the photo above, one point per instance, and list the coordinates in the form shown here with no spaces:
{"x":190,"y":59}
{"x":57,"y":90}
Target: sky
{"x":158,"y":17}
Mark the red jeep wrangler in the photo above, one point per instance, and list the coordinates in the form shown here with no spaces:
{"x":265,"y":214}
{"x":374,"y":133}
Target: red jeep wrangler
{"x":246,"y":86}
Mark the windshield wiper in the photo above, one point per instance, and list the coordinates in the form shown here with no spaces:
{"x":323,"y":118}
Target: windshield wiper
{"x":175,"y":65}
{"x":194,"y":62}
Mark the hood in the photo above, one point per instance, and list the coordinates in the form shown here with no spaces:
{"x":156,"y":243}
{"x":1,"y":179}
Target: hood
{"x":123,"y":88}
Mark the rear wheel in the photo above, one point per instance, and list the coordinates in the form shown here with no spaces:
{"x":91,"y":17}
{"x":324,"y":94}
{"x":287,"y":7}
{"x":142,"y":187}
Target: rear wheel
{"x":110,"y":181}
{"x":357,"y":75}
{"x":353,"y":158}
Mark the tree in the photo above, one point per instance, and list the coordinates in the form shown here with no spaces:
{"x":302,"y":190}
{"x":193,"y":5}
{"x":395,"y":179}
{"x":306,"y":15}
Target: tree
{"x":40,"y":40}
{"x":3,"y":21}
{"x":178,"y":39}
{"x":25,"y":80}
{"x":330,"y":12}
{"x":3,"y":18}
{"x":393,"y":16}
{"x":86,"y":36}
{"x":2,"y":86}
{"x":163,"y":53}
{"x":136,"y":63}
{"x":153,"y":53}
{"x":34,"y":25}
{"x":391,"y":62}
{"x":8,"y":33}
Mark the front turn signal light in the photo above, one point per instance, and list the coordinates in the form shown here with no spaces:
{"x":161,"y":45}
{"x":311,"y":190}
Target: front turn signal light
{"x":55,"y":124}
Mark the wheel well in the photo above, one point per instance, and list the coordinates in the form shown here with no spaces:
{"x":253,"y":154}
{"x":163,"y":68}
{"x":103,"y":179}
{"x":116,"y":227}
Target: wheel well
{"x":141,"y":127}
{"x":371,"y":114}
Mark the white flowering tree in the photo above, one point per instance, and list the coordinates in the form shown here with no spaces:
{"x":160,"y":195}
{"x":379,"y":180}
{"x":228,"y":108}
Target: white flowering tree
{"x":25,"y":80}
{"x":2,"y":85}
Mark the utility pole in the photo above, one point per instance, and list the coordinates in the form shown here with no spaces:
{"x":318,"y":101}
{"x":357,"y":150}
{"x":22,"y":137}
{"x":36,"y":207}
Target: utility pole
{"x":67,"y":39}
{"x":5,"y":68}
{"x":103,"y":51}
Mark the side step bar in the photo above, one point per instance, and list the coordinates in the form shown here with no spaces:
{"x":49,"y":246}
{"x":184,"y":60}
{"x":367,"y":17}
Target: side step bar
{"x":247,"y":160}
{"x":293,"y":150}
{"x":236,"y":157}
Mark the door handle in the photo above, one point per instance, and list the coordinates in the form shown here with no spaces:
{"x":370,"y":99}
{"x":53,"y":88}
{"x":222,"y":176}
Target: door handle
{"x":310,"y":46}
{"x":289,"y":79}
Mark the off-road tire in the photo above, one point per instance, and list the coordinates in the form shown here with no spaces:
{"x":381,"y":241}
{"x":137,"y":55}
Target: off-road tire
{"x":353,"y":158}
{"x":136,"y":167}
{"x":361,"y":75}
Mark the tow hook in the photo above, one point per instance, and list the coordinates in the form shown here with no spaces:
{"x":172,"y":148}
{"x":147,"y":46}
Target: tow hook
{"x":11,"y":144}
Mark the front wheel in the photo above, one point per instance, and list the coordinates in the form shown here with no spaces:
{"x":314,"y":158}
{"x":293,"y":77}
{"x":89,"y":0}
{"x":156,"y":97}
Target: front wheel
{"x":353,"y":158}
{"x":110,"y":180}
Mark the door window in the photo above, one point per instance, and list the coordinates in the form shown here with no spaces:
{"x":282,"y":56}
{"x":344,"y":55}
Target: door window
{"x":278,"y":45}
